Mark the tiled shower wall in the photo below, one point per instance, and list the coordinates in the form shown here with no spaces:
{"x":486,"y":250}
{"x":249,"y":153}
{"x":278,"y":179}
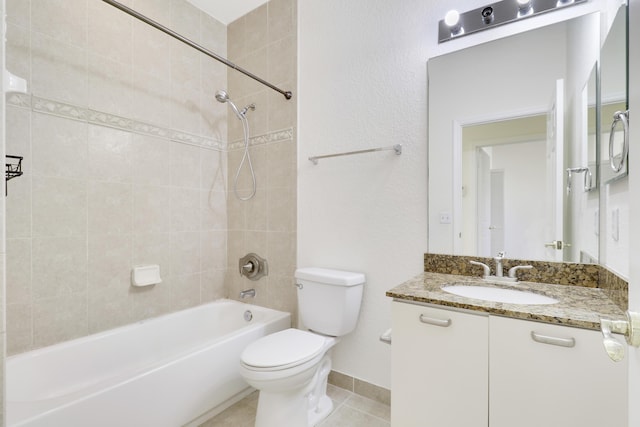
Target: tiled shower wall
{"x":264,"y":41}
{"x":124,"y":165}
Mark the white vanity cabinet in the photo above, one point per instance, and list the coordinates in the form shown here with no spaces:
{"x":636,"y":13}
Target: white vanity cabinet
{"x":439,"y":367}
{"x":543,"y":374}
{"x":460,"y":369}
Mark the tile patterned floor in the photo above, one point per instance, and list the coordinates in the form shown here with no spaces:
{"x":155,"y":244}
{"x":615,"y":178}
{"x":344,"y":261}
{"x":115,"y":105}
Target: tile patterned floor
{"x":350,"y":410}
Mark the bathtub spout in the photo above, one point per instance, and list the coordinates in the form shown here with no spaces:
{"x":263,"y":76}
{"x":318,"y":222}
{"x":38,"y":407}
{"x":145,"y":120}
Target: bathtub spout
{"x":248,"y":293}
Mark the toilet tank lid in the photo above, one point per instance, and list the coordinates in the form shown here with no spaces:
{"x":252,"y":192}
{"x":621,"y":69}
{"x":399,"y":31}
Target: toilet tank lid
{"x":330,"y":277}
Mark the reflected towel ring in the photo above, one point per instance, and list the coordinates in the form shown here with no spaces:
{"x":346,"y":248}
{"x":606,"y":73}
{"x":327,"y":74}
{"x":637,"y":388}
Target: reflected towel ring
{"x":622,"y":117}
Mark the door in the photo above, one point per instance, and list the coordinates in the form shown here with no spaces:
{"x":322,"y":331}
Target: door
{"x":555,"y":176}
{"x":497,"y":212}
{"x":483,"y":163}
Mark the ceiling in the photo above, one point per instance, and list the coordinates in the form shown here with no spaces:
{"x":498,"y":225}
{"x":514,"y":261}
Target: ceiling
{"x":227,"y":11}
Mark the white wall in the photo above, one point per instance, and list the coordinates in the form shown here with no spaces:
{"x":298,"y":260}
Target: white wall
{"x":362,"y":84}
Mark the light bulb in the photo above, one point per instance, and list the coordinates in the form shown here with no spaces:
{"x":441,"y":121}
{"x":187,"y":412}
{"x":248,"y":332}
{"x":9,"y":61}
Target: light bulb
{"x":524,"y":4}
{"x":452,"y":20}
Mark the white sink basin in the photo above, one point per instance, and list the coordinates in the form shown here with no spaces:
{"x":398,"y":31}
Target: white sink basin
{"x":509,"y":296}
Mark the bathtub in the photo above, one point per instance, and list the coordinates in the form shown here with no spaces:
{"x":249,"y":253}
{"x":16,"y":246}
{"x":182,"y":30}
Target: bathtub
{"x":174,"y":370}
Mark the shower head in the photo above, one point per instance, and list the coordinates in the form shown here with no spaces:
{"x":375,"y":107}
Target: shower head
{"x":222,"y":96}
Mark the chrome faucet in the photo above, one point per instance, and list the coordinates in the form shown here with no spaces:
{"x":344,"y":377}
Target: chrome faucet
{"x":498,"y":259}
{"x":248,"y":293}
{"x":499,"y":275}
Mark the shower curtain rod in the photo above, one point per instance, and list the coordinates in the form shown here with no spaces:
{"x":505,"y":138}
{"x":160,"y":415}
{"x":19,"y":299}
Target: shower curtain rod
{"x":135,"y":14}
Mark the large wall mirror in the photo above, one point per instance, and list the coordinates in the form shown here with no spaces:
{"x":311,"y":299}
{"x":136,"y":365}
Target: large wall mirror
{"x":514,"y":145}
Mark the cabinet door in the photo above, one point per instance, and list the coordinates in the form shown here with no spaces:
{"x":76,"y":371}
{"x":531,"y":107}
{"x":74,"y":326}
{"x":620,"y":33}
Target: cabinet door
{"x":548,"y":375}
{"x":439,"y":368}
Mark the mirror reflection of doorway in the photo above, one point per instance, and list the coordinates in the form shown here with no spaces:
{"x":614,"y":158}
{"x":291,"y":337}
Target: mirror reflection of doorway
{"x":504,"y":193}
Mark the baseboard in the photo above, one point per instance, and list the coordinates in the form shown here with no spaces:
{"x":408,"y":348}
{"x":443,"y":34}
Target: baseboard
{"x":363,"y":388}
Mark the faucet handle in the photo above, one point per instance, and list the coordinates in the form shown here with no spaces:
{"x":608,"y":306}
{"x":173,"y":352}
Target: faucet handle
{"x":512,"y":270}
{"x":487,"y":270}
{"x":500,"y":255}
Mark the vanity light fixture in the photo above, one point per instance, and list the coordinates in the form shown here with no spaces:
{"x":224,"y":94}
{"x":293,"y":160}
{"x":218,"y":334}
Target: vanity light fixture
{"x":457,"y":24}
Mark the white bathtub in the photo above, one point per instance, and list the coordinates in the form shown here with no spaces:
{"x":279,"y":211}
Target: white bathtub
{"x":174,"y":370}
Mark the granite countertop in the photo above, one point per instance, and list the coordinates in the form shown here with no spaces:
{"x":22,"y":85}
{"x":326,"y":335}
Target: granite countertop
{"x":577,"y":306}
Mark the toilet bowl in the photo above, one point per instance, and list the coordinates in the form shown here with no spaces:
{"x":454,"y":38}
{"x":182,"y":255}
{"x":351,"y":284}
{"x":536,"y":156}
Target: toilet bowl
{"x":290,"y":368}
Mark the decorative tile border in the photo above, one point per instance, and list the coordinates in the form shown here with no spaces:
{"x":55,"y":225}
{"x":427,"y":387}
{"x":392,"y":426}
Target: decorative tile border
{"x":267,"y":138}
{"x":74,"y":112}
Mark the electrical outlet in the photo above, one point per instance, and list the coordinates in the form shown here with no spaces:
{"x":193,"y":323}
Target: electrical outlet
{"x":445,"y":217}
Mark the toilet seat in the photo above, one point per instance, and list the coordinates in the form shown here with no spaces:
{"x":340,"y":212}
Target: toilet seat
{"x":283,"y":350}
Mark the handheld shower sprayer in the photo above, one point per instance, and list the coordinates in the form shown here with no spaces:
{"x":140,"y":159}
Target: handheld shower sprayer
{"x":223,"y":97}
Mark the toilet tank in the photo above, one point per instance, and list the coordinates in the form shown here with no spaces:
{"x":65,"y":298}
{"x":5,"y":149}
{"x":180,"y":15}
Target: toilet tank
{"x":329,"y":300}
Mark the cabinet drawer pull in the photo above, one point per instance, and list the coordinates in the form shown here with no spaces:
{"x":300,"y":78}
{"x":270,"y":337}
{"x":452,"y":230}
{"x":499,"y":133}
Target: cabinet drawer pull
{"x":435,"y":322}
{"x":545,"y":339}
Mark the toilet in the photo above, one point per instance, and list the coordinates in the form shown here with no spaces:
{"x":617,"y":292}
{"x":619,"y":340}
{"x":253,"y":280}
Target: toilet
{"x":290,"y":367}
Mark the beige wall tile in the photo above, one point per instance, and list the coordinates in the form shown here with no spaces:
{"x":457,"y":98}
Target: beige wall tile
{"x":185,"y":19}
{"x":153,"y":248}
{"x":109,"y":308}
{"x":151,"y":208}
{"x":151,"y":160}
{"x":59,"y":207}
{"x":64,"y":20}
{"x":19,"y":328}
{"x":151,"y":301}
{"x":18,"y":54}
{"x":213,"y":166}
{"x":110,"y":208}
{"x":236,"y":39}
{"x":281,"y":168}
{"x":214,"y":34}
{"x":110,"y":153}
{"x":256,"y":29}
{"x":186,"y":253}
{"x":59,"y":319}
{"x":59,"y":268}
{"x":110,"y":32}
{"x":152,"y":51}
{"x":18,"y":287}
{"x":110,"y":262}
{"x":59,"y":146}
{"x":185,"y":166}
{"x":282,"y":59}
{"x":158,"y":10}
{"x":110,"y":85}
{"x":213,"y":250}
{"x":212,"y":285}
{"x":281,"y":19}
{"x":185,"y":291}
{"x":185,"y":209}
{"x":214,"y":210}
{"x":59,"y":70}
{"x":151,"y":99}
{"x":18,"y":199}
{"x":19,"y":12}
